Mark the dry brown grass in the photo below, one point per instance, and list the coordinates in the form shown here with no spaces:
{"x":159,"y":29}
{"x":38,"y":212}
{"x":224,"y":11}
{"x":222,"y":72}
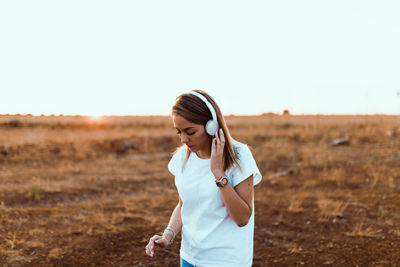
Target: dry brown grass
{"x":73,"y":193}
{"x":365,"y":231}
{"x":331,"y":209}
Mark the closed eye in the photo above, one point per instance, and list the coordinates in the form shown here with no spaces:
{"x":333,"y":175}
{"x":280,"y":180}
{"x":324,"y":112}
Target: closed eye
{"x":187,"y":133}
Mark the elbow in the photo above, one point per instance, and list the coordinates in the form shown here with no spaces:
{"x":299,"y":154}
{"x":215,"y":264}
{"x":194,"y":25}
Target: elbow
{"x":246,"y":218}
{"x":243,"y":222}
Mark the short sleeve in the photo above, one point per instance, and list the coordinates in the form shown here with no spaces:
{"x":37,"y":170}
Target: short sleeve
{"x":175,"y":163}
{"x":248,"y":166}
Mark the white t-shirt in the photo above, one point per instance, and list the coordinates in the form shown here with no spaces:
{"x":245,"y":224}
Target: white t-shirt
{"x":209,"y":235}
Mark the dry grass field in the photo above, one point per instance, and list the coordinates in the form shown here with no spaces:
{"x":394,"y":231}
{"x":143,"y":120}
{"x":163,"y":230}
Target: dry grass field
{"x":76,"y":191}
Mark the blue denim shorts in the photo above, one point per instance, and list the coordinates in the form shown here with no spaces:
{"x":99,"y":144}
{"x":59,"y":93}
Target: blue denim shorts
{"x":185,"y":263}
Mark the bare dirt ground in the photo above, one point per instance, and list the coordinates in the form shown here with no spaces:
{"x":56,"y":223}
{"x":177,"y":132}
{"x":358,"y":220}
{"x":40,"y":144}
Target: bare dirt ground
{"x":76,"y":191}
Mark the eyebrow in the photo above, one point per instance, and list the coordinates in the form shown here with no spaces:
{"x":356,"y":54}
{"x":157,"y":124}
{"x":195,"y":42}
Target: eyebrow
{"x":186,"y":128}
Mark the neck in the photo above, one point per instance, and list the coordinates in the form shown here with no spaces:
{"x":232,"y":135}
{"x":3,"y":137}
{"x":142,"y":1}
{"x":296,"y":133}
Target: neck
{"x":204,"y":154}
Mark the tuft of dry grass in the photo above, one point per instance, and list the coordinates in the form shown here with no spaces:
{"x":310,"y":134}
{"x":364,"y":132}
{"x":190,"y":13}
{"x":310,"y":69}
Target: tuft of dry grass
{"x":15,"y":258}
{"x":55,"y":253}
{"x":295,"y":204}
{"x":35,"y":193}
{"x":395,"y":232}
{"x":331,"y":209}
{"x":362,"y":230}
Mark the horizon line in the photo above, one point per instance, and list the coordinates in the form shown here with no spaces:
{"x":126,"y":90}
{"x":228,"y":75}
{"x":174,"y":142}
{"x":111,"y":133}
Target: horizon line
{"x":225,"y":115}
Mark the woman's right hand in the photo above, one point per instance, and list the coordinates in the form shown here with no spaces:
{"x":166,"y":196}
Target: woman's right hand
{"x":155,"y":243}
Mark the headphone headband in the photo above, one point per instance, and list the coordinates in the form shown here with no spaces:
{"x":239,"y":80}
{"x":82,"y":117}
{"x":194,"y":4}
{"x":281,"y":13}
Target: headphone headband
{"x":209,"y":105}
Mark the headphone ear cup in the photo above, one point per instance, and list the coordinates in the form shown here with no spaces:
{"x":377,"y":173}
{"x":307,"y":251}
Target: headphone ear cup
{"x":211,"y":127}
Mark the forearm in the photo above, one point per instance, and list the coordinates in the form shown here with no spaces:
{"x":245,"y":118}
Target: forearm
{"x":237,"y":208}
{"x":238,"y":201}
{"x":175,"y":222}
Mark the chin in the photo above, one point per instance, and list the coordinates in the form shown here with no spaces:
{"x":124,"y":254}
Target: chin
{"x":192,"y":149}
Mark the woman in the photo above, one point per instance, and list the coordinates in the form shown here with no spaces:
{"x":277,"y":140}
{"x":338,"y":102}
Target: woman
{"x":214,"y":176}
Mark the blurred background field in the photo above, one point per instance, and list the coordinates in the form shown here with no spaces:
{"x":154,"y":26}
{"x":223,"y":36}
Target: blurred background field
{"x":84,"y":191}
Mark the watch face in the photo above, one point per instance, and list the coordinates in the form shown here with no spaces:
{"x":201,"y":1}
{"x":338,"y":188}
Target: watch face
{"x":224,"y":181}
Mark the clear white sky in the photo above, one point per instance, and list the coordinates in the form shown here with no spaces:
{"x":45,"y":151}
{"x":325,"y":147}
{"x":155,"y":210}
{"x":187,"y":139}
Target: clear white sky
{"x":135,"y":57}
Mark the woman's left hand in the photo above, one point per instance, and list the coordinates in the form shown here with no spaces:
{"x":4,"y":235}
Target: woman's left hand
{"x":217,"y":154}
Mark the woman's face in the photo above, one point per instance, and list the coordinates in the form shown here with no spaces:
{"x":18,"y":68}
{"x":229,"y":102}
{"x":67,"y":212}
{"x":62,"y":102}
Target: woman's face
{"x":191,"y":134}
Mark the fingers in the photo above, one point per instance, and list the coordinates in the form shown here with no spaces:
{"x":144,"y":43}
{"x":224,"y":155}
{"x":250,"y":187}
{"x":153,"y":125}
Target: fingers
{"x":214,"y":145}
{"x":219,"y":135}
{"x":150,"y":246}
{"x":220,"y":141}
{"x":222,"y":136}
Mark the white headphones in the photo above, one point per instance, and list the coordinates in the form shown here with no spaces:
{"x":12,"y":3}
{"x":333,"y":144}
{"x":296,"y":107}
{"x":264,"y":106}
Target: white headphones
{"x":212,"y":126}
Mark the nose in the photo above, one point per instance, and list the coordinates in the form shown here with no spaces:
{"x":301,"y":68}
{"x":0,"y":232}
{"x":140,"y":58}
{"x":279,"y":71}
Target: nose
{"x":184,"y":138}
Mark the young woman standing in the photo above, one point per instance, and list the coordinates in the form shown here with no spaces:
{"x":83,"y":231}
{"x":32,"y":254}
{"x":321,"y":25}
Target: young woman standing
{"x":214,"y":176}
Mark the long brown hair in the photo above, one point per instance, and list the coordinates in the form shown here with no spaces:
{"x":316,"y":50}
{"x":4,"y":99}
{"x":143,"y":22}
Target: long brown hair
{"x":193,"y":109}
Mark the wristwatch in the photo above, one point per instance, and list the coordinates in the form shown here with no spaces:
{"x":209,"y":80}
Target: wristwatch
{"x":222,"y":182}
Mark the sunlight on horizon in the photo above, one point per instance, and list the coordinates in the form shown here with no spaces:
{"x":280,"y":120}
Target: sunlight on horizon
{"x":339,"y":102}
{"x":95,"y":118}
